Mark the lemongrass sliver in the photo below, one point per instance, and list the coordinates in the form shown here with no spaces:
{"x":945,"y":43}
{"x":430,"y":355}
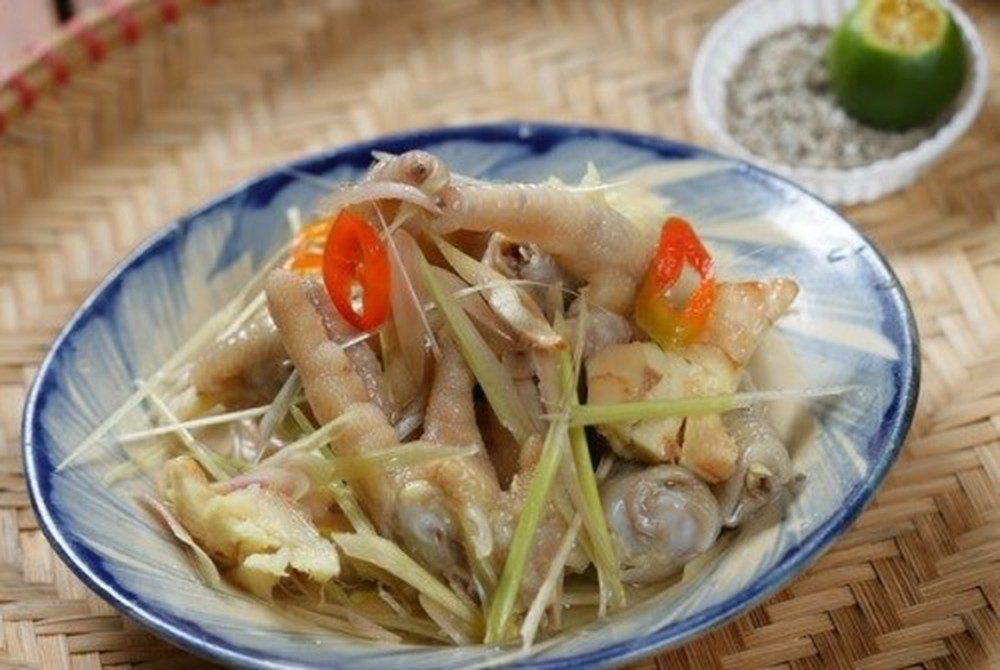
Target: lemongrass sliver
{"x":247,"y":313}
{"x":593,"y":510}
{"x":345,"y":196}
{"x":505,"y":596}
{"x":205,"y":457}
{"x":184,"y":352}
{"x":395,"y":621}
{"x":279,"y":408}
{"x":139,"y":460}
{"x":457,"y":630}
{"x":529,"y":628}
{"x":589,"y":415}
{"x":387,"y":555}
{"x":204,"y":565}
{"x":405,"y":301}
{"x":302,"y":421}
{"x":200,"y":422}
{"x":495,"y":380}
{"x":344,"y":496}
{"x":313,"y":440}
{"x":294,"y":218}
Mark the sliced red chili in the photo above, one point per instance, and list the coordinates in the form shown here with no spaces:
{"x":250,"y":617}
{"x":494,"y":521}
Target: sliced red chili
{"x":355,"y":260}
{"x":670,"y":326}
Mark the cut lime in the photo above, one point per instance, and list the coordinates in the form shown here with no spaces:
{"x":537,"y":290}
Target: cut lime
{"x":896,"y":64}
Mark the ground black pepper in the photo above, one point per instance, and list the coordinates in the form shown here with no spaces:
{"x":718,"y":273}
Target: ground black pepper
{"x":779,"y":106}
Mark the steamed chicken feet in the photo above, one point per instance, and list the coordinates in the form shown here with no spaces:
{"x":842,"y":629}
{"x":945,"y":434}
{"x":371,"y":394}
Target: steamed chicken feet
{"x":487,"y":513}
{"x":494,"y":321}
{"x":469,"y":482}
{"x":401,"y":503}
{"x":660,"y":517}
{"x":589,"y":239}
{"x":763,"y":470}
{"x":247,"y":367}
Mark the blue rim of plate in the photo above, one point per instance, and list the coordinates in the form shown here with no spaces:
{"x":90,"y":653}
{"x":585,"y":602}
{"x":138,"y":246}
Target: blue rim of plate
{"x":540,"y":137}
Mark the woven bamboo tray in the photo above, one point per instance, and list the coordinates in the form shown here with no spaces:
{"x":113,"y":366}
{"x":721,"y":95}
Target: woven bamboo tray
{"x":146,"y":109}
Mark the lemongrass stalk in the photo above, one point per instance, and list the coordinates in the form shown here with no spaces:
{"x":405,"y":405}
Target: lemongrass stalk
{"x":245,"y":315}
{"x":589,"y":415}
{"x":183,"y":353}
{"x":529,"y":628}
{"x":344,"y":496}
{"x":279,"y":407}
{"x":494,"y":379}
{"x":340,"y":625}
{"x":294,"y":218}
{"x":303,"y":422}
{"x":387,"y":555}
{"x":505,"y":596}
{"x":190,"y":424}
{"x":459,"y":632}
{"x":593,"y":511}
{"x":134,"y":465}
{"x":202,"y":454}
{"x":313,"y":440}
{"x":411,"y":291}
{"x":402,"y":623}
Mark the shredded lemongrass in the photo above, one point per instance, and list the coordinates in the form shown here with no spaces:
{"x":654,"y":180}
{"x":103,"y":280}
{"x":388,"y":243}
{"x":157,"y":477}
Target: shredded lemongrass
{"x":251,"y":310}
{"x":392,"y":458}
{"x":348,"y":504}
{"x":593,"y":511}
{"x":184,"y":352}
{"x":589,"y":415}
{"x":396,"y":621}
{"x":205,"y":457}
{"x":200,"y":422}
{"x":387,"y":555}
{"x":457,"y":630}
{"x":341,"y":625}
{"x":311,"y":441}
{"x":294,"y":218}
{"x":529,"y":628}
{"x":493,"y":377}
{"x":502,"y":608}
{"x":204,"y":565}
{"x":139,"y":459}
{"x":410,"y":290}
{"x":279,"y":408}
{"x":301,"y":420}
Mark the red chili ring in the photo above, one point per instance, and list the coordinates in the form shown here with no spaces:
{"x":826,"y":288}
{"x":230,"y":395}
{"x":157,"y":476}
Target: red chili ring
{"x":354,"y":256}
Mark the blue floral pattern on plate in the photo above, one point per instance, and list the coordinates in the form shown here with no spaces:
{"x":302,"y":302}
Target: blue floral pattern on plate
{"x":851,"y":324}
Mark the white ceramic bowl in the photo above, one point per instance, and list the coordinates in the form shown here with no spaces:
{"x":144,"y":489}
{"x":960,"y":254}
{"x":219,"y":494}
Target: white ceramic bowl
{"x":851,"y":325}
{"x":744,"y":25}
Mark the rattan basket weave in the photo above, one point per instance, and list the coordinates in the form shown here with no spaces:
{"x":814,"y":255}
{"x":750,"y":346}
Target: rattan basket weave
{"x":139,"y":112}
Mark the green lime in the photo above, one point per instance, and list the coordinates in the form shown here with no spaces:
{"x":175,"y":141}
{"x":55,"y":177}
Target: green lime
{"x":896,"y":64}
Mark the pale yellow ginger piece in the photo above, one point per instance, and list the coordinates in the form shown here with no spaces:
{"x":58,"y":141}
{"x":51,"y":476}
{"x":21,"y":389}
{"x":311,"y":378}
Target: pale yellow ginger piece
{"x":257,"y":533}
{"x":644,"y":371}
